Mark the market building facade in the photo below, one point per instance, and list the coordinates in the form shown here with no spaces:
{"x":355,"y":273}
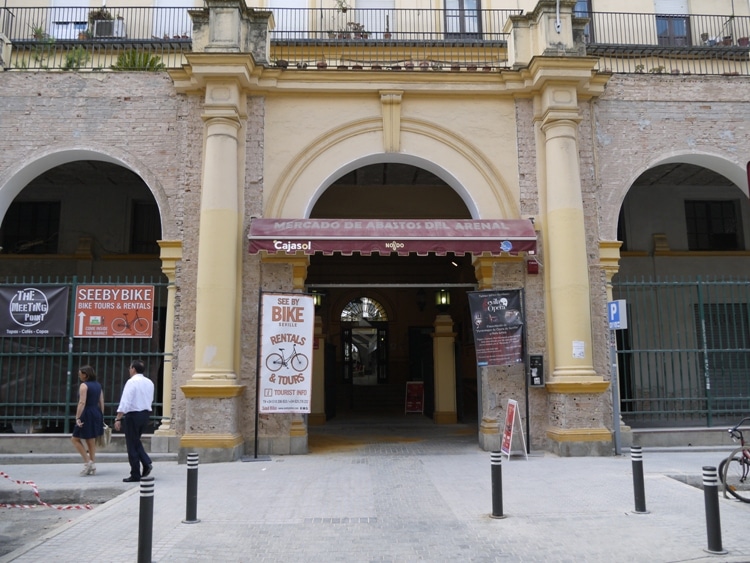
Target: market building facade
{"x":377,"y":191}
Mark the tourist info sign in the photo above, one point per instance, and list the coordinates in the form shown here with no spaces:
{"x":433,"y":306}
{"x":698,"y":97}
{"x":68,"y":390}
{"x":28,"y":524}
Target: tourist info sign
{"x":286,"y":348}
{"x":114,"y":311}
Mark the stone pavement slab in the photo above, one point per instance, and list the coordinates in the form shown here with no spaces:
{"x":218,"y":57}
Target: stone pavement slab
{"x":401,"y":501}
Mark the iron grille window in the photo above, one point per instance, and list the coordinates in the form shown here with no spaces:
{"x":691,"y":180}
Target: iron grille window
{"x":31,"y":227}
{"x":673,"y":31}
{"x":145,"y":228}
{"x":712,"y":225}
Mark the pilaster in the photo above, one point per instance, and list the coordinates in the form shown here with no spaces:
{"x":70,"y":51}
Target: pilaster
{"x":390,"y":102}
{"x":171,"y":253}
{"x":317,"y":414}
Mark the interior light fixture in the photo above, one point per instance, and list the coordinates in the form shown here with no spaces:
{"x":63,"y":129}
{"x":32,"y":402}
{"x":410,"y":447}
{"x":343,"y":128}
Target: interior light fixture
{"x":442,"y":299}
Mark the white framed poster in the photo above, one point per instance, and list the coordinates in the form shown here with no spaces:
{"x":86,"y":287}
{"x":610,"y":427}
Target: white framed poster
{"x":286,"y":349}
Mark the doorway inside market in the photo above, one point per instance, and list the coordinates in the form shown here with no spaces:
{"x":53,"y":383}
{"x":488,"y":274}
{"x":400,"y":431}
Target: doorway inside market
{"x":378,"y":315}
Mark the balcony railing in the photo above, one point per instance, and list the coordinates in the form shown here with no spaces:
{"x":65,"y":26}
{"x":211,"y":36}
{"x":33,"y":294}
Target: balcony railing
{"x":74,"y":38}
{"x":664,"y":43}
{"x":375,"y":39}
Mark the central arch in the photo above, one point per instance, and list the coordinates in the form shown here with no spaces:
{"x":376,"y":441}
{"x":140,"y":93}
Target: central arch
{"x":468,"y":170}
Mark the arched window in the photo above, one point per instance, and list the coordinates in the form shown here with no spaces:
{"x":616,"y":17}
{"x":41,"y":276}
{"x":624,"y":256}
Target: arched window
{"x":363,"y":309}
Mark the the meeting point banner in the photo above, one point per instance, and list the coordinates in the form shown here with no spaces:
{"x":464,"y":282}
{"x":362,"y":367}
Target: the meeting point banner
{"x":497,"y":322}
{"x":39,"y":310}
{"x":286,"y":349}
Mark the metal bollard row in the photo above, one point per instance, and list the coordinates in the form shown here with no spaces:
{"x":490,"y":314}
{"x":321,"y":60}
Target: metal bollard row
{"x":639,"y":490}
{"x":191,"y":510}
{"x":497,"y":484}
{"x":146,"y":520}
{"x":711,"y":501}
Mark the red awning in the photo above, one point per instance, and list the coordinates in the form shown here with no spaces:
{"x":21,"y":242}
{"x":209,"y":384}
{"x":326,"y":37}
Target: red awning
{"x":388,"y":236}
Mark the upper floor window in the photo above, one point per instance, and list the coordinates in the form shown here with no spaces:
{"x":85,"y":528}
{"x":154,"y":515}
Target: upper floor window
{"x":673,"y":31}
{"x":145,"y":228}
{"x":712,"y":225}
{"x":582,"y":8}
{"x":31,"y":227}
{"x":462,"y":18}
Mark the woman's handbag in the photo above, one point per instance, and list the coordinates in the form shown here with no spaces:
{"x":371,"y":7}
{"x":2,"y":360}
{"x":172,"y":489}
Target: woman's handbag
{"x":106,"y":437}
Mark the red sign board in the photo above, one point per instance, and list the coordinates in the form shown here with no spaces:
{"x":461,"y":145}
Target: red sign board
{"x":114,"y":311}
{"x":392,"y":236}
{"x":414,"y":396}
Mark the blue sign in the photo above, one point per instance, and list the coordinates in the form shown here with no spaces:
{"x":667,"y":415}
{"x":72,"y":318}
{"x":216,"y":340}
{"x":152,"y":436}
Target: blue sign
{"x":617,"y":313}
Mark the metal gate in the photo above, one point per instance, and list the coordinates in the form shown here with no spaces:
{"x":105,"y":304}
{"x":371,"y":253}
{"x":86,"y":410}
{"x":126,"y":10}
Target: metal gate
{"x":685,"y":358}
{"x":39,"y":375}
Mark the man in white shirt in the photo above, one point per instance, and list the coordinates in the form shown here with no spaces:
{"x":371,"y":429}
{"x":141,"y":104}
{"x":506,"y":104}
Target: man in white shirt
{"x":133,"y":415}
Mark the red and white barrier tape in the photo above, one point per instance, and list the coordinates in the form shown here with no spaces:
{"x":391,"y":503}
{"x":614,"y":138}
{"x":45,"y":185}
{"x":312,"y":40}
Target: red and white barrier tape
{"x":36,"y":494}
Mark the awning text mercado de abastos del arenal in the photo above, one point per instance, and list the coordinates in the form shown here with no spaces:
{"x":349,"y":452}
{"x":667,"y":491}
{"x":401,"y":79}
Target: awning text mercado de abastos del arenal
{"x":392,"y":236}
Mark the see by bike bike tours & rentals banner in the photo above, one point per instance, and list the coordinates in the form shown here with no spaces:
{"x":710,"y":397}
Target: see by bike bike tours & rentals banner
{"x":114,"y":311}
{"x":285,"y":353}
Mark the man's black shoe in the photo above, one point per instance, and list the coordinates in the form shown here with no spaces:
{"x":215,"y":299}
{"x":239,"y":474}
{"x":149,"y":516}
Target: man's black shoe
{"x":147,"y":471}
{"x":131,"y":479}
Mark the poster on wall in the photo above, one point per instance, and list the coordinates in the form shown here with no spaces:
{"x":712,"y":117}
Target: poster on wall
{"x":286,"y":348}
{"x":497,"y":323}
{"x":114,"y":311}
{"x":40,"y":310}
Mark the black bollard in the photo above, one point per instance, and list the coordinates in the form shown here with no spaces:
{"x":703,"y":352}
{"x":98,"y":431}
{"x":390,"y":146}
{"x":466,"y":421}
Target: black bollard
{"x":639,"y":491}
{"x":146,"y":520}
{"x":497,"y":484}
{"x":711,"y":500}
{"x":191,"y":512}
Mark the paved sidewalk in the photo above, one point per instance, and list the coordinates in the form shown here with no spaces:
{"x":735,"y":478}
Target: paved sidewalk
{"x":398,"y":498}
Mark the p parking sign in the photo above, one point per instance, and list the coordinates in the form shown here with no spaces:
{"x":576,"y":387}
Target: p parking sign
{"x":617,"y":313}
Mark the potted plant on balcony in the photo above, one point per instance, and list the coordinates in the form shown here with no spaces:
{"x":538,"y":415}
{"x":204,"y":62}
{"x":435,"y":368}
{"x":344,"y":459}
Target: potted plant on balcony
{"x":342,"y":5}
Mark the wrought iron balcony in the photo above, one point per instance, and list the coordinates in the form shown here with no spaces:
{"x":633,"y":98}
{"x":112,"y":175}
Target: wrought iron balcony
{"x":373,"y":39}
{"x":662,"y":43}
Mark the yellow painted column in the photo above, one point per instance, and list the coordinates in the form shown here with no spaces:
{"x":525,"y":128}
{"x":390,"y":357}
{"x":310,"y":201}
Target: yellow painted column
{"x":565,"y":254}
{"x":444,"y":360}
{"x":171,"y":253}
{"x":216,"y":299}
{"x":213,"y":395}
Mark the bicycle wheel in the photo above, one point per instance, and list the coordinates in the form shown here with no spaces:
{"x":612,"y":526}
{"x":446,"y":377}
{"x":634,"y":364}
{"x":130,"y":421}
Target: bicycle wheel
{"x":119,"y":325}
{"x":299,"y":362}
{"x":141,"y":325}
{"x":274,"y":361}
{"x":733,"y":472}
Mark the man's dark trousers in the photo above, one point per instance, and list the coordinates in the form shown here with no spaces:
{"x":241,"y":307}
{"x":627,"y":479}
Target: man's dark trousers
{"x":134,"y":425}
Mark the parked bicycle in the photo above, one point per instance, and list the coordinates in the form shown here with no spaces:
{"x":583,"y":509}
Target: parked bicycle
{"x":297,"y":361}
{"x":734,"y":470}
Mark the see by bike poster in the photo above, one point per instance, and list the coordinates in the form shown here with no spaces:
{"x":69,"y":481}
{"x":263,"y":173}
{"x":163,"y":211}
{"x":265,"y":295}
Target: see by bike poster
{"x":114,"y":311}
{"x":286,"y":348}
